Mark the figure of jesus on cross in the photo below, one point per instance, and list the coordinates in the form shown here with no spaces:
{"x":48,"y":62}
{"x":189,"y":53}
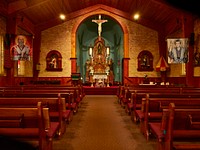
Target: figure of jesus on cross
{"x":99,"y":22}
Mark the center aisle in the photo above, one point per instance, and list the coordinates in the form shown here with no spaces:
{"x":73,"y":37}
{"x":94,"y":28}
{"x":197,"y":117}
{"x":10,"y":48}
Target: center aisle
{"x":101,"y":124}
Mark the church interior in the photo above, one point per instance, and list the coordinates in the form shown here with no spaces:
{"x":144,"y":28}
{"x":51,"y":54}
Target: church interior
{"x":79,"y":49}
{"x":135,"y":46}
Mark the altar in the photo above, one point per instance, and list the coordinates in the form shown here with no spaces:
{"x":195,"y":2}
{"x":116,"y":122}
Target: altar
{"x":101,"y":79}
{"x":99,"y":66}
{"x":100,"y":76}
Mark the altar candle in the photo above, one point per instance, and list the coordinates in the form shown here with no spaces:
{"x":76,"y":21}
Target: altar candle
{"x":107,"y":51}
{"x":90,"y":51}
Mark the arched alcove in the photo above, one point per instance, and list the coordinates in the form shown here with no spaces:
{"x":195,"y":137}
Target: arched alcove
{"x":113,"y":36}
{"x":54,"y":61}
{"x":145,"y":61}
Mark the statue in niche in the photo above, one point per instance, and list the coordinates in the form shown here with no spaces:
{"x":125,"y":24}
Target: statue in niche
{"x":53,"y":62}
{"x":99,"y":49}
{"x":145,"y":61}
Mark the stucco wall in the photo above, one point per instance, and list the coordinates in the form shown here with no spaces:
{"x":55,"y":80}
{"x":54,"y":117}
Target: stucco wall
{"x":139,"y":38}
{"x":142,"y":38}
{"x":59,"y":38}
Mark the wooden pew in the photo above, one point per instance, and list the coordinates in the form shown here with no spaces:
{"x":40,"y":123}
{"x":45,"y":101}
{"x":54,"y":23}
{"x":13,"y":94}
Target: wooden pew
{"x":57,"y":109}
{"x":21,"y":89}
{"x":154,"y":106}
{"x":75,"y":102}
{"x":30,"y":123}
{"x":156,"y":89}
{"x":71,"y":97}
{"x":78,"y":90}
{"x":136,"y":102}
{"x":46,"y":94}
{"x":130,"y":102}
{"x":176,"y":130}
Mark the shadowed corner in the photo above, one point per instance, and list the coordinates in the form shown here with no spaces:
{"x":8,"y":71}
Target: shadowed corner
{"x":8,"y":143}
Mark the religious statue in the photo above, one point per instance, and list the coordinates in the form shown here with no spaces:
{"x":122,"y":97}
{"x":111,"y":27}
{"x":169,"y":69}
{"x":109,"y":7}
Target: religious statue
{"x":145,"y":61}
{"x":53,"y":62}
{"x":99,"y":49}
{"x":99,"y":22}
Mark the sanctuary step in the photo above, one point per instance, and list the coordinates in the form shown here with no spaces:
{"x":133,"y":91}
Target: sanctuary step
{"x":112,"y":90}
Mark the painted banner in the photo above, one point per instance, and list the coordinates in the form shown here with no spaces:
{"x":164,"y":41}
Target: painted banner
{"x":177,"y":50}
{"x":21,"y":47}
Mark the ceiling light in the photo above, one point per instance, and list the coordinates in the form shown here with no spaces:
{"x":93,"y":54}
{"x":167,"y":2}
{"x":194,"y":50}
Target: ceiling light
{"x":136,"y":16}
{"x":62,"y":16}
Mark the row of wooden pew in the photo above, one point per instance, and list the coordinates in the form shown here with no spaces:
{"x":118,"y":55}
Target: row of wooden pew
{"x":39,"y":113}
{"x":150,"y":108}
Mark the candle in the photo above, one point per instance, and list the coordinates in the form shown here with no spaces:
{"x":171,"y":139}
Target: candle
{"x":107,"y":51}
{"x":90,"y":51}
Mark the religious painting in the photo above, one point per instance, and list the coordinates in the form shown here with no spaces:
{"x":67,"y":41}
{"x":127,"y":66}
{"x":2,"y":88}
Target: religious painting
{"x":21,"y":47}
{"x":177,"y":50}
{"x":54,"y":61}
{"x":197,"y":53}
{"x":145,"y":61}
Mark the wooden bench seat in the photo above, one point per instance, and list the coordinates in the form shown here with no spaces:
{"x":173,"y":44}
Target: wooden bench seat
{"x":137,"y":100}
{"x":47,"y":94}
{"x":181,"y":131}
{"x":57,"y":109}
{"x":78,"y":90}
{"x":134,"y":97}
{"x":125,"y":93}
{"x":34,"y":125}
{"x":174,"y":131}
{"x":153,"y":109}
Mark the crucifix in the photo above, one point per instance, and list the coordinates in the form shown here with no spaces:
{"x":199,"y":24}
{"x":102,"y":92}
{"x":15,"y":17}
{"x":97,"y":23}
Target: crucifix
{"x":99,"y":22}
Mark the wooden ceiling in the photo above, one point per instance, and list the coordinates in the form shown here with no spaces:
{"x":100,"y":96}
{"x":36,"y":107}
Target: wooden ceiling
{"x":45,"y":13}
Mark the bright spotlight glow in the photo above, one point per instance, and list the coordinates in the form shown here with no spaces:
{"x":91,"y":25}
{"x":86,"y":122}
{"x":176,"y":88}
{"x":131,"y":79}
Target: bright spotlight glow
{"x":136,"y":16}
{"x":62,"y":16}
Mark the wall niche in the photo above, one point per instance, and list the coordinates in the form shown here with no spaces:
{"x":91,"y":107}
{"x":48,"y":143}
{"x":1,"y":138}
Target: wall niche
{"x":54,"y":61}
{"x":145,"y":61}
